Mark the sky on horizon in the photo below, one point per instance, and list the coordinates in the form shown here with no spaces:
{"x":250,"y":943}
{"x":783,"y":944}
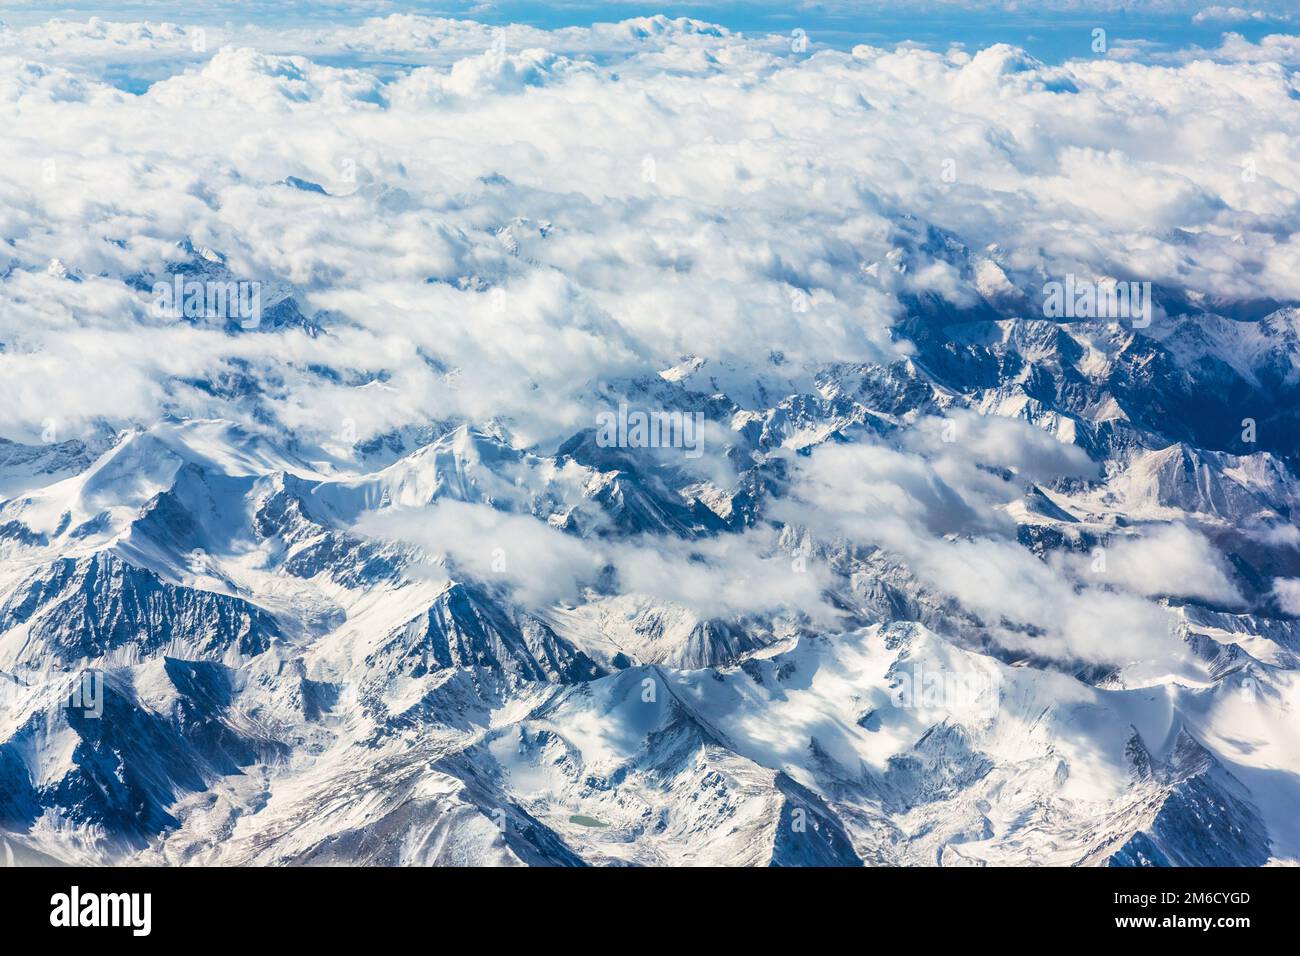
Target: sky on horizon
{"x":1051,"y":30}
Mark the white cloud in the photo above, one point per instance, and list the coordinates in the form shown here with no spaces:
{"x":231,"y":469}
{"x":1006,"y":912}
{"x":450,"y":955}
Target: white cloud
{"x":683,"y":207}
{"x":726,"y":576}
{"x":958,"y":546}
{"x":1232,"y":14}
{"x":1287,"y":593}
{"x":542,"y":564}
{"x":1171,"y":560}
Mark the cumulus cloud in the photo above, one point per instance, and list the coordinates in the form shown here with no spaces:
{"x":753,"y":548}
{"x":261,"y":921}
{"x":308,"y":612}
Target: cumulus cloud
{"x":1287,"y":593}
{"x":1171,"y":560}
{"x":540,"y":563}
{"x":626,"y":213}
{"x":726,"y":576}
{"x":964,"y":437}
{"x":1232,"y":14}
{"x":960,"y":546}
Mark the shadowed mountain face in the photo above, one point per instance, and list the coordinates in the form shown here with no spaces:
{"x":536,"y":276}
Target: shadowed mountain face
{"x":675,"y":463}
{"x":85,"y":609}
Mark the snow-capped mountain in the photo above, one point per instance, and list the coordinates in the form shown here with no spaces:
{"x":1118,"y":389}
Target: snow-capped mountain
{"x":825,"y":545}
{"x":280,"y":687}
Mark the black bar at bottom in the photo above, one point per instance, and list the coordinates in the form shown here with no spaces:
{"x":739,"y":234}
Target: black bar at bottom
{"x":331,"y":906}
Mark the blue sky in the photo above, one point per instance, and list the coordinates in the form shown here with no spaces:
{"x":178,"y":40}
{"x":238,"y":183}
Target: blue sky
{"x":1052,"y":30}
